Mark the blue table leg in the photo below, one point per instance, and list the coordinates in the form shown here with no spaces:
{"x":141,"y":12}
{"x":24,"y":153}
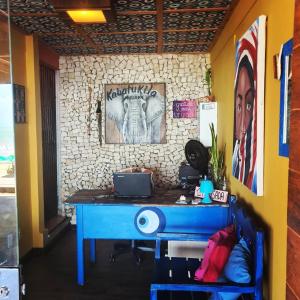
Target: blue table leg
{"x":80,"y":246}
{"x":92,"y":250}
{"x":153,"y":294}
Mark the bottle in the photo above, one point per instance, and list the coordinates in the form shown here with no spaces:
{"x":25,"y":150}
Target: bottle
{"x":224,"y":184}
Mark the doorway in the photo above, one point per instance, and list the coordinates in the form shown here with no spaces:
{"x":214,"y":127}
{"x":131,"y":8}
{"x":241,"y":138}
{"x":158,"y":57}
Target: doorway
{"x":49,"y":142}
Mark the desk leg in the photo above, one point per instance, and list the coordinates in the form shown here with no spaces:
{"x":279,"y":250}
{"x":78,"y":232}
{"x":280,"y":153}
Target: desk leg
{"x":153,"y":294}
{"x":80,"y":246}
{"x":92,"y":250}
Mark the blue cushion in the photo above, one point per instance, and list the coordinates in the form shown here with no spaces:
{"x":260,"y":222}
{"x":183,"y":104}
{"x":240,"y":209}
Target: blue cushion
{"x":237,"y":269}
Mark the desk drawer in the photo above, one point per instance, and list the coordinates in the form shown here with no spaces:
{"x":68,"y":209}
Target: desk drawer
{"x":118,"y":221}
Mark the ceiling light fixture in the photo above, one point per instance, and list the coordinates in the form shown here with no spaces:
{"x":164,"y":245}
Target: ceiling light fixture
{"x":87,"y":16}
{"x":85,"y":11}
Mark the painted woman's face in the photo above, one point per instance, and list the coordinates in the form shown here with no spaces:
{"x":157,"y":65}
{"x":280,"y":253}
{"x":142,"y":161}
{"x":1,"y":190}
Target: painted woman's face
{"x":243,"y":104}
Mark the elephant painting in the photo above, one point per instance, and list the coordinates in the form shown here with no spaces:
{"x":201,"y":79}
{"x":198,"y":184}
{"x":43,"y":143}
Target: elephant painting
{"x":135,"y":113}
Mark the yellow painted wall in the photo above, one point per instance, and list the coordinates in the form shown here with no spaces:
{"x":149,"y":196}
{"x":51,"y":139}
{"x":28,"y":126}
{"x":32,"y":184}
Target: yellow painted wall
{"x":28,"y":144}
{"x":22,"y":149}
{"x":35,"y":140}
{"x":272,"y":207}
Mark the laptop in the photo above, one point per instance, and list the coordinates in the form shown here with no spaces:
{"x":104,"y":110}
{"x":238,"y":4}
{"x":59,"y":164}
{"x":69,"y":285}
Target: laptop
{"x":135,"y":184}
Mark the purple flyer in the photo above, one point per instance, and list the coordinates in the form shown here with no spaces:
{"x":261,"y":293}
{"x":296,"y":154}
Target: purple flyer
{"x":184,"y":109}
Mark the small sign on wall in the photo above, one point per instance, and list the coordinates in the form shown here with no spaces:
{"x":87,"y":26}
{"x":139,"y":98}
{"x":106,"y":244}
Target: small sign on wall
{"x":184,"y":109}
{"x":19,"y":103}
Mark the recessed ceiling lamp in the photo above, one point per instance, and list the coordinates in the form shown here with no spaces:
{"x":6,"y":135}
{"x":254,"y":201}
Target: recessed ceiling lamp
{"x":85,"y":11}
{"x":87,"y":16}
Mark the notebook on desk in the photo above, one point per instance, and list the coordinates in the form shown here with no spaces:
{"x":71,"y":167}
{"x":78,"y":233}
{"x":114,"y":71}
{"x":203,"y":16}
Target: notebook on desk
{"x":132,"y":184}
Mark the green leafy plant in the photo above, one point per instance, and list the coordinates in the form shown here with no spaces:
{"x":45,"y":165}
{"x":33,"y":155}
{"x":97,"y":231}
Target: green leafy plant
{"x":217,"y":158}
{"x":208,"y":80}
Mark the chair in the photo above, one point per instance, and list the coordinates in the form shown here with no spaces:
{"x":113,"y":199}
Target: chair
{"x":176,"y":275}
{"x":135,"y":247}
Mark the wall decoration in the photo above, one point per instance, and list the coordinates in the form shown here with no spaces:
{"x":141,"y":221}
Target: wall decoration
{"x":285,"y":98}
{"x":19,"y":103}
{"x":248,"y":132}
{"x":185,"y":109}
{"x":135,"y":113}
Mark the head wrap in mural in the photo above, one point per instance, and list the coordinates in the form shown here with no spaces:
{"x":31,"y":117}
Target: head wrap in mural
{"x":249,"y":78}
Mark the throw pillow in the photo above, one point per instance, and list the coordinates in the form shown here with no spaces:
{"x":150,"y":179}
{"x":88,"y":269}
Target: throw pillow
{"x":216,"y":255}
{"x":237,"y":270}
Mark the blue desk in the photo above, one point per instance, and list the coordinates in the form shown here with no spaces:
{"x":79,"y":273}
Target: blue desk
{"x":102,"y":216}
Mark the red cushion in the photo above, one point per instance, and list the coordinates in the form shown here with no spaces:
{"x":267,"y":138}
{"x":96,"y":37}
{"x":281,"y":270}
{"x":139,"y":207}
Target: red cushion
{"x":216,"y":255}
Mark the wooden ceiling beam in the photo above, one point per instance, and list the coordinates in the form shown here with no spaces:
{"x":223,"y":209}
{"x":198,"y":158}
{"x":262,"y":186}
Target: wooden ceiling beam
{"x":133,"y":45}
{"x":185,"y":43}
{"x":81,"y":4}
{"x":160,"y":25}
{"x":119,"y":13}
{"x":192,"y":29}
{"x":129,"y":32}
{"x":136,"y":12}
{"x":123,"y":32}
{"x":43,"y":34}
{"x":170,"y":11}
{"x":151,"y":31}
{"x":108,"y":45}
{"x":195,"y":10}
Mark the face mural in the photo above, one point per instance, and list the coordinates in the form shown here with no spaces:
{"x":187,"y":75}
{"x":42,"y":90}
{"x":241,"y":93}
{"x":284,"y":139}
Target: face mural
{"x":244,"y":100}
{"x":247,"y":158}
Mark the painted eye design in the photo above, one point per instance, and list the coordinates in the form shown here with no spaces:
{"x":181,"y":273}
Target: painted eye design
{"x":149,"y":221}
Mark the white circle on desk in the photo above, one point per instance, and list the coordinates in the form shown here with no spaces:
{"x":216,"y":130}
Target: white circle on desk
{"x":149,"y":221}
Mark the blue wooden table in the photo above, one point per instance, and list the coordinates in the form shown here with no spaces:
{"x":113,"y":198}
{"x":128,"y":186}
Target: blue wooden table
{"x":100,"y":215}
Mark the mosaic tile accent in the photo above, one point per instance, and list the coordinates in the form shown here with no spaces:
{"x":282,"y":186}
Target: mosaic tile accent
{"x":76,"y":51}
{"x":125,"y":38}
{"x":123,"y":5}
{"x":42,"y":25}
{"x":180,"y":4}
{"x":67,"y":40}
{"x":129,"y":49}
{"x":193,"y":20}
{"x":125,"y":23}
{"x":185,"y":48}
{"x":30,"y":6}
{"x":3,"y":5}
{"x":202,"y":36}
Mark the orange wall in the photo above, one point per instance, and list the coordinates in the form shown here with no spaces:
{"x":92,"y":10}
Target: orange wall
{"x":272,"y":207}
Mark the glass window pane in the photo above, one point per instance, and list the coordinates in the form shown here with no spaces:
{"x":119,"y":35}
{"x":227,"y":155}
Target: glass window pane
{"x":8,"y":205}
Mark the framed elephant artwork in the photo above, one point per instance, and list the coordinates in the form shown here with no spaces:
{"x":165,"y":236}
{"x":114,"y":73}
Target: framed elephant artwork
{"x":135,"y":113}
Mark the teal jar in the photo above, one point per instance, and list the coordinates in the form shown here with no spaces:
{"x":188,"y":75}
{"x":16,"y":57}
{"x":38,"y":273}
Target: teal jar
{"x":206,"y":188}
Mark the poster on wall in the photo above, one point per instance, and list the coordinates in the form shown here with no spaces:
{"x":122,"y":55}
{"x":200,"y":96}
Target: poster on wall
{"x":285,"y":98}
{"x":249,"y":85}
{"x":135,"y":113}
{"x":19,"y":103}
{"x":184,"y":109}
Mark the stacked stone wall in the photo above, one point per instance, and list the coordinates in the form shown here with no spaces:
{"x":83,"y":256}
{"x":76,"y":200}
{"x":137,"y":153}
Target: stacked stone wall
{"x":83,"y":162}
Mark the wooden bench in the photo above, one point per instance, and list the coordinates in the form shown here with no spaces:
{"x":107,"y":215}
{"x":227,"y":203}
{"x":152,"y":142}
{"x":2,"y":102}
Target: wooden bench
{"x":175,"y":276}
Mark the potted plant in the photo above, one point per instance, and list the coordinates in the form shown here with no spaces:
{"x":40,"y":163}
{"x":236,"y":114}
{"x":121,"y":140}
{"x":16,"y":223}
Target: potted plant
{"x":208,"y":82}
{"x":216,"y":162}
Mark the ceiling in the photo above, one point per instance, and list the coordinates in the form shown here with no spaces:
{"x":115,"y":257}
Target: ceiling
{"x":140,"y":26}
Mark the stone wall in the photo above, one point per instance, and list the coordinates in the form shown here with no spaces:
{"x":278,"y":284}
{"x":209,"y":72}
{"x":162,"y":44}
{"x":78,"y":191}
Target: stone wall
{"x":84,"y":163}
